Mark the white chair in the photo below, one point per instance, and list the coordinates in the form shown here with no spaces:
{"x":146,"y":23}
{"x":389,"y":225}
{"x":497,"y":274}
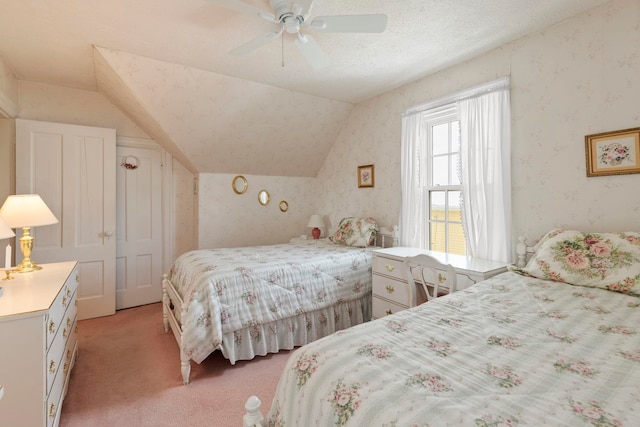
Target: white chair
{"x":435,"y":277}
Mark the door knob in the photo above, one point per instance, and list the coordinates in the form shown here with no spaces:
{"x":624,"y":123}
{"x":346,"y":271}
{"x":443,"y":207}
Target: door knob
{"x":108,"y":234}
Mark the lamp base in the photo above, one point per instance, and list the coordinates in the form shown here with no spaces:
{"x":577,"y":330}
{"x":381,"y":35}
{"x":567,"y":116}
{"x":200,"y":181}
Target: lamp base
{"x":26,"y":245}
{"x":315,"y":233}
{"x":26,"y":266}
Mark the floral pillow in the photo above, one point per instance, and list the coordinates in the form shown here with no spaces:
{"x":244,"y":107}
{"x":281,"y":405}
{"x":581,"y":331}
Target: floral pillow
{"x":358,"y":232}
{"x":600,"y":260}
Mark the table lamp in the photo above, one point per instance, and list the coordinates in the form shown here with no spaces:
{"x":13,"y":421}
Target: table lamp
{"x":316,"y":223}
{"x":26,"y":211}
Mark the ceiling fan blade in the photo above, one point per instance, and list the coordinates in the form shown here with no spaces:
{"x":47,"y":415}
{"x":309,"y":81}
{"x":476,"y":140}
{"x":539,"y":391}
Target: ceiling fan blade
{"x":255,"y":43}
{"x":242,"y":7}
{"x":305,"y":6}
{"x":350,"y":23}
{"x":311,"y":51}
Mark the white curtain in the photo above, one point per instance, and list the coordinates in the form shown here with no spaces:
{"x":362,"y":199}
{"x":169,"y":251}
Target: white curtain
{"x":413,"y":211}
{"x":485,"y":137}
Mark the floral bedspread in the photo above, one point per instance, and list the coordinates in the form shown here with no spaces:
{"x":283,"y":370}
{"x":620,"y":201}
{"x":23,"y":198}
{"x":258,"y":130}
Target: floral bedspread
{"x":510,"y":351}
{"x":225,"y":290}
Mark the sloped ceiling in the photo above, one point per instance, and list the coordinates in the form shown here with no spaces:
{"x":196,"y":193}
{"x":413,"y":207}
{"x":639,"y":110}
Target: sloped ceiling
{"x":222,"y":124}
{"x":165,"y":63}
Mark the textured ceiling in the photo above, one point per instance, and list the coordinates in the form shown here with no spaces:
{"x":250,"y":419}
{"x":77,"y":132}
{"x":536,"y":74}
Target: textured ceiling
{"x":54,"y":42}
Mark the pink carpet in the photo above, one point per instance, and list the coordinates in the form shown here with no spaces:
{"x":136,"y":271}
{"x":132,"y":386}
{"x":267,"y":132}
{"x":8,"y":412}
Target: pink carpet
{"x":128,"y":374}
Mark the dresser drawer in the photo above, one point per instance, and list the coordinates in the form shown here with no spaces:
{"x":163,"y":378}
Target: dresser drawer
{"x":54,"y":359}
{"x":392,"y":290}
{"x":389,"y":267}
{"x":69,"y":352}
{"x":382,"y":307}
{"x":59,"y":307}
{"x":54,"y":400}
{"x":60,"y":342}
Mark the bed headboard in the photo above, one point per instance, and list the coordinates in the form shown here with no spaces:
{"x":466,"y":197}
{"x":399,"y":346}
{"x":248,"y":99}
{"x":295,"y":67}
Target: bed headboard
{"x":387,"y":237}
{"x":523,"y":251}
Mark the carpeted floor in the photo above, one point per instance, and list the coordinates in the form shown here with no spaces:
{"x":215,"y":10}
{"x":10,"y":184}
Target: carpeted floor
{"x":128,"y":374}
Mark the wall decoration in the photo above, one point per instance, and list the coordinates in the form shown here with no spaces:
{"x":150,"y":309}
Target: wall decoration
{"x":613,"y":153}
{"x":264,"y":197}
{"x":239,"y":184}
{"x":130,"y":162}
{"x":365,"y":176}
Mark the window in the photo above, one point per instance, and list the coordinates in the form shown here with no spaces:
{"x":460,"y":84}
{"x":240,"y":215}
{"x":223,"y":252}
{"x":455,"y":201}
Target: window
{"x":445,"y":231}
{"x":458,"y":148}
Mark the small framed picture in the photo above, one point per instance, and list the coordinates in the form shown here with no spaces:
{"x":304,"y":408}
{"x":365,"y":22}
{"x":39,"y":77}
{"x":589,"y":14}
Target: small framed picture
{"x":365,"y":176}
{"x":613,"y":153}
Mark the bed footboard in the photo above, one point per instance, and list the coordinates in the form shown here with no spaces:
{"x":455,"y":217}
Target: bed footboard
{"x":171,"y":301}
{"x":253,"y":417}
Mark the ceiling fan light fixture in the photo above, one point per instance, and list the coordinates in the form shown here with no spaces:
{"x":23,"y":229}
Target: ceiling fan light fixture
{"x":291,"y":24}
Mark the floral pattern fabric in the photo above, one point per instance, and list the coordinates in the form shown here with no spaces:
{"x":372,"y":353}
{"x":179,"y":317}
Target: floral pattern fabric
{"x":232,"y":293}
{"x":603,"y":260}
{"x":357,"y":232}
{"x":510,"y":351}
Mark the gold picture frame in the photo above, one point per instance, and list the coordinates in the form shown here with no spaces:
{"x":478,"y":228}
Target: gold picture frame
{"x":613,"y":153}
{"x":366,"y":176}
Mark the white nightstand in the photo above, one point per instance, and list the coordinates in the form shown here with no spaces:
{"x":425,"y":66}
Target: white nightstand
{"x":391,"y":291}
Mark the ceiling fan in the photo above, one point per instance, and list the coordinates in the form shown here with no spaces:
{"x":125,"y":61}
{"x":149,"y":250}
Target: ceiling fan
{"x":293,"y":16}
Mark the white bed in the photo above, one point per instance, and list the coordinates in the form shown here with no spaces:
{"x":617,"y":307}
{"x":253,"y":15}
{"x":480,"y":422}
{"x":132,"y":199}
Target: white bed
{"x":512,"y":350}
{"x":257,"y":300}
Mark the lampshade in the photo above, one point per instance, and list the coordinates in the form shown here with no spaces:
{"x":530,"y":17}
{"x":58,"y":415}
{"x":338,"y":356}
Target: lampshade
{"x":26,"y":210}
{"x":5,"y":231}
{"x":315,"y":221}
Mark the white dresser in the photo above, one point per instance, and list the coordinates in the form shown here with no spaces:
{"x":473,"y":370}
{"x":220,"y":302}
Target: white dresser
{"x":38,"y":342}
{"x":391,"y":291}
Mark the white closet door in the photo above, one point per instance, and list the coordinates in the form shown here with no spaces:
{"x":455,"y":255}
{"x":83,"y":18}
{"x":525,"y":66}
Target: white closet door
{"x":139,"y":218}
{"x":73,"y":169}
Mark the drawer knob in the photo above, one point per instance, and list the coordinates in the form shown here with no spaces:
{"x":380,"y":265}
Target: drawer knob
{"x":52,"y":327}
{"x":390,"y":267}
{"x":390,"y":289}
{"x":52,"y":366}
{"x":68,"y":292}
{"x":65,"y":368}
{"x":64,"y":301}
{"x":388,"y":312}
{"x":68,"y":354}
{"x":52,"y":411}
{"x":65,"y":332}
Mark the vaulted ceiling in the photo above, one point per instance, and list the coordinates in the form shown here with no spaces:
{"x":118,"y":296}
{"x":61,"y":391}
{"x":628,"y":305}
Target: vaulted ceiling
{"x":166,"y":64}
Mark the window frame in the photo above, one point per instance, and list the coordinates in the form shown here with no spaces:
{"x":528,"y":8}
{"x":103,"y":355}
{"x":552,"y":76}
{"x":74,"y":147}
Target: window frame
{"x":444,"y":115}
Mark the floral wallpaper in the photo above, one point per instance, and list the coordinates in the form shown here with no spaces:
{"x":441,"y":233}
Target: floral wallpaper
{"x":228,"y":219}
{"x":573,"y":79}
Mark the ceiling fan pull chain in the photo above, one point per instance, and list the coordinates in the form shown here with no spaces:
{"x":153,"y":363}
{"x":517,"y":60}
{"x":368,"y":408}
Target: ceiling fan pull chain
{"x":282,"y":55}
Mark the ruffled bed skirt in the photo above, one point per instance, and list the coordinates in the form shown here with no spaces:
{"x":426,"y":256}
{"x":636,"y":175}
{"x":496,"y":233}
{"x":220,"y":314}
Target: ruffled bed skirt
{"x":285,"y":334}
